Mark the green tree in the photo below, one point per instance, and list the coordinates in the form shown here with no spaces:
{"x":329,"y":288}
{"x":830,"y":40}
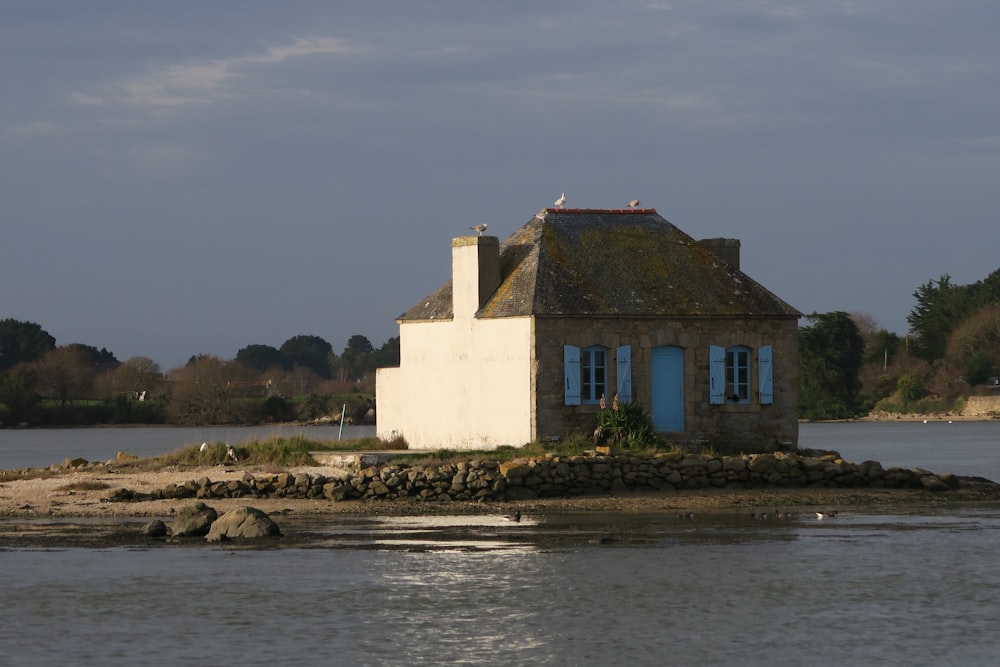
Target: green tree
{"x":881,"y":345}
{"x":974,"y":345}
{"x":262,"y":358}
{"x":18,"y":394}
{"x":100,"y":360}
{"x":312,"y":352}
{"x":22,"y":342}
{"x":911,"y":388}
{"x":356,"y":358}
{"x":941,"y":306}
{"x":831,"y":352}
{"x":387,"y":355}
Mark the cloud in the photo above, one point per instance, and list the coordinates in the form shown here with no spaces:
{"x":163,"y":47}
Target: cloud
{"x":201,"y":82}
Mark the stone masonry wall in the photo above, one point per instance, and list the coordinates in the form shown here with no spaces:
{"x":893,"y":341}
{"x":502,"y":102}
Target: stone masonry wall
{"x":557,"y":476}
{"x":753,"y":426}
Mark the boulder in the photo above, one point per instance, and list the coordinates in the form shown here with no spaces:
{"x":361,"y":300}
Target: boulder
{"x":933,"y":483}
{"x":242,"y":522}
{"x":194,"y":520}
{"x":154,"y":529}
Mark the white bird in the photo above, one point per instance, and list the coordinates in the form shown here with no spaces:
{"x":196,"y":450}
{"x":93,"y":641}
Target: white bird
{"x":825,"y":515}
{"x":203,"y":447}
{"x":634,"y":203}
{"x":561,"y":201}
{"x":479,"y":228}
{"x":515,"y":517}
{"x":541,"y":214}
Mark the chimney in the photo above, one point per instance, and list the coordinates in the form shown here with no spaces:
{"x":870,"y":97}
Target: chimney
{"x":728,"y":250}
{"x":475,"y":268}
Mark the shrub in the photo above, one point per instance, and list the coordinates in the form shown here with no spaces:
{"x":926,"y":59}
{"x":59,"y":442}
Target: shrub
{"x":629,"y":426}
{"x":911,"y":388}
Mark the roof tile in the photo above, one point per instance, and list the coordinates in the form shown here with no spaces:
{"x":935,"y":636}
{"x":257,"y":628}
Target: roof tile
{"x":610,"y":262}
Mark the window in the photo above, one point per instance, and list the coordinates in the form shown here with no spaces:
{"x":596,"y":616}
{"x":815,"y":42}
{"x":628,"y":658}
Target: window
{"x":730,"y":372}
{"x":738,"y":374}
{"x":586,"y":374}
{"x":594,"y":366}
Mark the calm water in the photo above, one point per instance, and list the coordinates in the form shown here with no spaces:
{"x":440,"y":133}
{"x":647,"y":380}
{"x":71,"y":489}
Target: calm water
{"x":37,"y":448}
{"x":916,"y":587}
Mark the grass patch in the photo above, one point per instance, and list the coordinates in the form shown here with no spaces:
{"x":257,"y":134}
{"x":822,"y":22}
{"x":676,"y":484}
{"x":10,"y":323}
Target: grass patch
{"x":273,"y":453}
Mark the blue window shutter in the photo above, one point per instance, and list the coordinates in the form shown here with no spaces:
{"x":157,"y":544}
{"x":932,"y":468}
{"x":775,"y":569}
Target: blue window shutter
{"x":764,"y":375}
{"x":717,"y":374}
{"x":624,"y":354}
{"x":571,"y":370}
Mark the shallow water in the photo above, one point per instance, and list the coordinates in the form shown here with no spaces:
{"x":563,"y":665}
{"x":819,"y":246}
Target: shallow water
{"x":904,"y":587}
{"x":721,"y":590}
{"x":37,"y":448}
{"x":961,"y":447}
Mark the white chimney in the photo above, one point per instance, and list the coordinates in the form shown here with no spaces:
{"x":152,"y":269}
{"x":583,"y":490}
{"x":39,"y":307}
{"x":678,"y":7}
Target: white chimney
{"x":475,"y":269}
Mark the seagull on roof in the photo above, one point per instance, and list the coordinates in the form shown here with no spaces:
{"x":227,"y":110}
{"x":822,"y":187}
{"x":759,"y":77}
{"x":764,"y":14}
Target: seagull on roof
{"x":479,"y":228}
{"x":541,"y":214}
{"x":561,"y":201}
{"x":634,"y":203}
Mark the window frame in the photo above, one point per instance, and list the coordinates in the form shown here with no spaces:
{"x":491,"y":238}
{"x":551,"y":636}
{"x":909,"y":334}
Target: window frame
{"x":591,"y":388}
{"x":739,"y":367}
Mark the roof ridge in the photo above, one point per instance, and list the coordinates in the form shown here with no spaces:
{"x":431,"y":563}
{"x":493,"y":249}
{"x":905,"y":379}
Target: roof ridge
{"x":600,"y":210}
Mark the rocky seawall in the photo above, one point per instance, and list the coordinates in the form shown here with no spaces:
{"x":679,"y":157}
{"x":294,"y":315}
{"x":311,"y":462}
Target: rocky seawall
{"x":559,"y":477}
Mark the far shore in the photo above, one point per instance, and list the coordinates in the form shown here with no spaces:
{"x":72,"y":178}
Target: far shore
{"x":891,"y":417}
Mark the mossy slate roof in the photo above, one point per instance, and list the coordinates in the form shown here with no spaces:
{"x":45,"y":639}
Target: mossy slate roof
{"x":611,"y":263}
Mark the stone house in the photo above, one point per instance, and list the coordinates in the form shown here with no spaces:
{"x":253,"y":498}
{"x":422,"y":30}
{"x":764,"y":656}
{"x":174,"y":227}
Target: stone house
{"x":529,"y":334}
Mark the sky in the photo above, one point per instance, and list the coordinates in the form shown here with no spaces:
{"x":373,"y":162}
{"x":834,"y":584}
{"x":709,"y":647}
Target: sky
{"x":190,"y":177}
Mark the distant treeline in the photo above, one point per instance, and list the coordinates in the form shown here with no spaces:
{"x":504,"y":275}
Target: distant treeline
{"x":45,"y":384}
{"x":848,"y":366}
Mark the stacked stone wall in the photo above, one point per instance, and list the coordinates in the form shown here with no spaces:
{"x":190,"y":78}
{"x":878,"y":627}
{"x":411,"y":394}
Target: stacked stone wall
{"x":560,"y":476}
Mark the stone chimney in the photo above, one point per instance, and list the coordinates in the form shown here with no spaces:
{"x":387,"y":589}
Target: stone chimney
{"x":728,"y":250}
{"x":475,"y":269}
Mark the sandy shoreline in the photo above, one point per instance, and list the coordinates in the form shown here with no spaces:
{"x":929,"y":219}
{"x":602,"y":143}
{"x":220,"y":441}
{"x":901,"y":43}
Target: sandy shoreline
{"x":85,"y":494}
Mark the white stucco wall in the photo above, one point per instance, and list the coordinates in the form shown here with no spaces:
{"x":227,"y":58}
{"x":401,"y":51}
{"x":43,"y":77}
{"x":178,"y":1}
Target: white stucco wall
{"x":461,"y":384}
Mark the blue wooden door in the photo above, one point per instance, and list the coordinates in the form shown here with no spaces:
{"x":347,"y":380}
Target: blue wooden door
{"x":668,"y":388}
